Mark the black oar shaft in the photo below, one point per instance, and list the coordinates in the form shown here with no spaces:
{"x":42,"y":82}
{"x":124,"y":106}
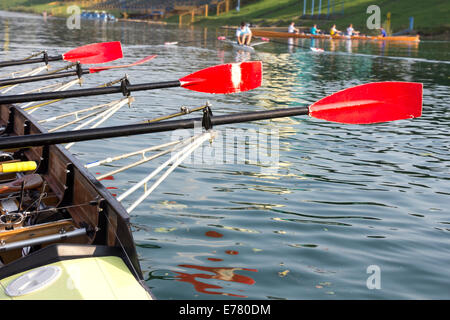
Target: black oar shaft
{"x":134,"y":129}
{"x":85,"y":92}
{"x":41,"y":77}
{"x":29,"y":61}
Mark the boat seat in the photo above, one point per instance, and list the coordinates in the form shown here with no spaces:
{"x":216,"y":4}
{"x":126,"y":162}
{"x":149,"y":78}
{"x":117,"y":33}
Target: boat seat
{"x":58,"y":252}
{"x":30,"y":181}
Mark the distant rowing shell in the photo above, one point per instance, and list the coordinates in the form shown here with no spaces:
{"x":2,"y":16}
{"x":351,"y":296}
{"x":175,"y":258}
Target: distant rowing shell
{"x":275,"y":34}
{"x":243,"y":47}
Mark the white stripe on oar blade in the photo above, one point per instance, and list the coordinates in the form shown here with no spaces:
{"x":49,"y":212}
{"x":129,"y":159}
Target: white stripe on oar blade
{"x":236,"y":75}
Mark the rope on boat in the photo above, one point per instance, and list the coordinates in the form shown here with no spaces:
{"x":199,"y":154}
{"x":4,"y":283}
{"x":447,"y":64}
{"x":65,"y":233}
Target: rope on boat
{"x":175,"y":160}
{"x":14,"y":73}
{"x":54,"y":86}
{"x":73,"y":113}
{"x":130,"y":154}
{"x":145,"y":159}
{"x":103,"y":116}
{"x":50,"y":86}
{"x":59,"y":87}
{"x":155,"y":172}
{"x":77,"y":118}
{"x":30,"y":73}
{"x":107,"y":84}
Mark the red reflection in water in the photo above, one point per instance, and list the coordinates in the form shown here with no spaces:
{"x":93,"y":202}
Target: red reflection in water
{"x":215,"y":259}
{"x":225,"y":274}
{"x":106,"y":178}
{"x":112,"y":188}
{"x":232,"y":252}
{"x":213,"y":234}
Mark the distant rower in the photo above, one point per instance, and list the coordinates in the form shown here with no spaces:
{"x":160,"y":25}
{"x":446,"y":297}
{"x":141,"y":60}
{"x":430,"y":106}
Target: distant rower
{"x":351,"y":31}
{"x":314,"y":29}
{"x":244,"y":34}
{"x":292,"y":28}
{"x":334,"y":31}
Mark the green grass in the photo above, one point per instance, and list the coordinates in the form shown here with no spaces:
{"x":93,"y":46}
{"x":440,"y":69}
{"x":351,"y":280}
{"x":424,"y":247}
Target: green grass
{"x":59,"y":8}
{"x":430,"y":17}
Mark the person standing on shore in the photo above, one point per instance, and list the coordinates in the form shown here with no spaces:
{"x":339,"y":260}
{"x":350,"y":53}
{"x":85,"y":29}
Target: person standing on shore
{"x":244,"y":34}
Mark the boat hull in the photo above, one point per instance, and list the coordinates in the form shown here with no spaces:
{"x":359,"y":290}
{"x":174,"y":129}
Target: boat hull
{"x":242,"y":47}
{"x":80,"y":198}
{"x":276,"y":34}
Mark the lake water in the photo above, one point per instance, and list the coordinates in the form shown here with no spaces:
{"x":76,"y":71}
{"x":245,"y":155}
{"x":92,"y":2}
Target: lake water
{"x":346,"y":208}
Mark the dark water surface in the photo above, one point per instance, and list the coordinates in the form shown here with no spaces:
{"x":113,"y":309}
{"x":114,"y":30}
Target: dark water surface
{"x":343,"y":200}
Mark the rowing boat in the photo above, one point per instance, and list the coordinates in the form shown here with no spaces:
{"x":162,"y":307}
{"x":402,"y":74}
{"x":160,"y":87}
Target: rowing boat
{"x":243,"y":47}
{"x":237,"y":46}
{"x":62,"y":234}
{"x":276,"y":34}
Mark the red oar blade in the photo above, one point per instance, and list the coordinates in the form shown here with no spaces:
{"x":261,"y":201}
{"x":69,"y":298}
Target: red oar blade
{"x":98,"y":69}
{"x":371,"y":103}
{"x":95,"y":53}
{"x":225,"y":78}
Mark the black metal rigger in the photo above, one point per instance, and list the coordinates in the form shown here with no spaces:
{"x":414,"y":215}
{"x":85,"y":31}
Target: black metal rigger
{"x":143,"y":128}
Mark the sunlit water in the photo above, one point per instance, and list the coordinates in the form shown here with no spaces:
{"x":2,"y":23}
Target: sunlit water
{"x":344,"y":199}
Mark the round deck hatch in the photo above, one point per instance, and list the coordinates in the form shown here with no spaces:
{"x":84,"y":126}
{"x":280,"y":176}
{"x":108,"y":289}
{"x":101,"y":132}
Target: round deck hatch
{"x":33,"y":281}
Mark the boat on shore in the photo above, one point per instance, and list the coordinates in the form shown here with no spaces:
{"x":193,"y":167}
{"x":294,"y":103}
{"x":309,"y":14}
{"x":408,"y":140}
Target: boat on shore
{"x":278,"y":34}
{"x":95,"y":15}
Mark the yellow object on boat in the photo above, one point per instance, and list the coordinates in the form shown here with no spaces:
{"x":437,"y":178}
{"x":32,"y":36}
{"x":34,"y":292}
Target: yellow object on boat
{"x":94,"y":278}
{"x":18,"y":166}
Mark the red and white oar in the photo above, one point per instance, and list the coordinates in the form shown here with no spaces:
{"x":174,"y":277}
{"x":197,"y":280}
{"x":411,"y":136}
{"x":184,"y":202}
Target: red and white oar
{"x":88,"y":54}
{"x":367,"y":103}
{"x":78,"y":72}
{"x":95,"y":53}
{"x":221,"y":79}
{"x":371,"y":103}
{"x":225,"y":78}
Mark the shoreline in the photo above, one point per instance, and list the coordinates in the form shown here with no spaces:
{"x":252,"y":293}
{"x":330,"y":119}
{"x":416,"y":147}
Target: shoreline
{"x":216,"y":22}
{"x":444,"y":37}
{"x":438,"y":36}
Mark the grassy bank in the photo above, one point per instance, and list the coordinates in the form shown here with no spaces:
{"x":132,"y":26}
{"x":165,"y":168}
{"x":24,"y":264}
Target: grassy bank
{"x":431,"y":18}
{"x":55,"y":8}
{"x":35,"y":6}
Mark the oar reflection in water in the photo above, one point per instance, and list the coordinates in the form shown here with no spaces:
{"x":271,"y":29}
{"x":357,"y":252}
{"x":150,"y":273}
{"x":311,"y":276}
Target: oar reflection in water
{"x":219,"y":273}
